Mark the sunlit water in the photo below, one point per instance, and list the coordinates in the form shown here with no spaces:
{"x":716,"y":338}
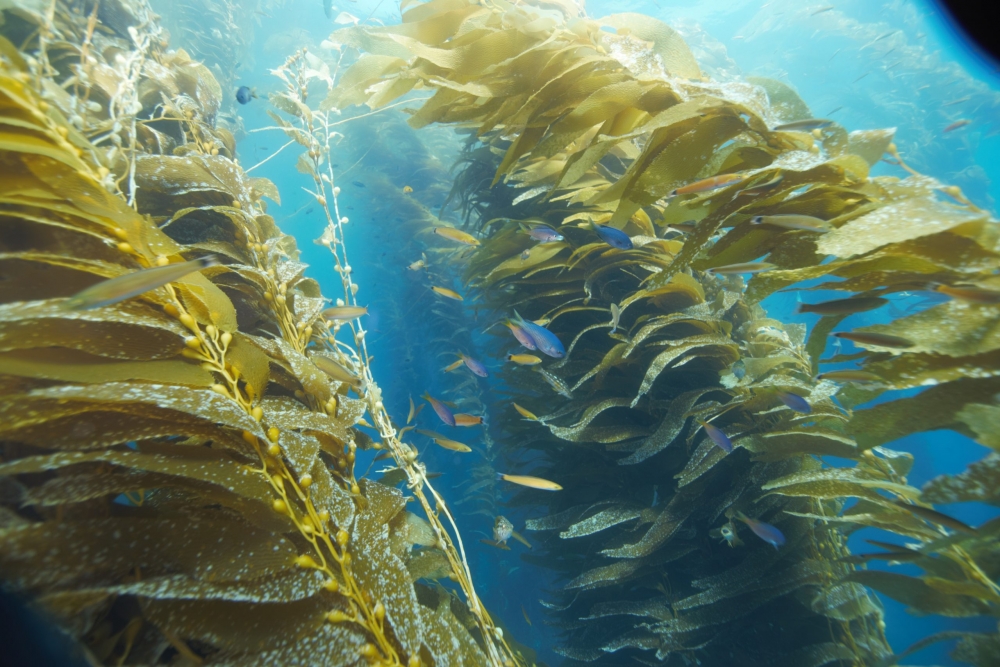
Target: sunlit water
{"x":864,"y":64}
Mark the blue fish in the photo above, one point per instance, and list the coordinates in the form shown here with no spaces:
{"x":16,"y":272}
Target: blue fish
{"x":764,"y":531}
{"x":615,"y":238}
{"x":544,"y":233}
{"x":521,"y":335}
{"x":717,"y":436}
{"x":794,"y":401}
{"x":544,"y":340}
{"x":443,"y":413}
{"x":475,"y":366}
{"x":245,"y":94}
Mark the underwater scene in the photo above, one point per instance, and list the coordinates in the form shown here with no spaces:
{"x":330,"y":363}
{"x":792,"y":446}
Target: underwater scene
{"x":493,"y":332}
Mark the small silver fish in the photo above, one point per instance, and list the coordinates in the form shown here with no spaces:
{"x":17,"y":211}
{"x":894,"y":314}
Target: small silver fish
{"x":804,"y":125}
{"x":108,"y":292}
{"x":556,"y":383}
{"x":335,"y":370}
{"x":727,"y":533}
{"x":502,"y":530}
{"x":616,"y":313}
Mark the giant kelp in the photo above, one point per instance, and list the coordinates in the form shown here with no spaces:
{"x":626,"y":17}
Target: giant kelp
{"x":596,"y":121}
{"x":178,"y":473}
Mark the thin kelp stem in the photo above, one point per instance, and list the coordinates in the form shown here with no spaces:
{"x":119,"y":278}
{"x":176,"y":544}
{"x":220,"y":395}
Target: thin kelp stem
{"x":315,"y":135}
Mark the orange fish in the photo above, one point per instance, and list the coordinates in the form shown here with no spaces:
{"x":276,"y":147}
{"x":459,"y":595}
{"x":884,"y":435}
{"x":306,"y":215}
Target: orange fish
{"x":962,"y":122}
{"x":707,"y":184}
{"x":468,"y":420}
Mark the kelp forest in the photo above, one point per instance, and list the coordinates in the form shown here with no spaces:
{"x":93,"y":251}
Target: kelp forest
{"x":181,"y":471}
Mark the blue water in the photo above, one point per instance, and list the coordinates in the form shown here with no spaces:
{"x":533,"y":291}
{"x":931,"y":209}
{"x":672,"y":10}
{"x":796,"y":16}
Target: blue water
{"x":919,"y":79}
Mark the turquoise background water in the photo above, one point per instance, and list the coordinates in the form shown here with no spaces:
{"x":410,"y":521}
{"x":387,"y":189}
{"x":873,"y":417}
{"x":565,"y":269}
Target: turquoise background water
{"x":920,"y":78}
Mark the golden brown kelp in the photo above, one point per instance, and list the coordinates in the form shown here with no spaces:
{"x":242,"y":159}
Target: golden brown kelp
{"x":313,"y":130}
{"x":601,"y":126}
{"x":178,"y":472}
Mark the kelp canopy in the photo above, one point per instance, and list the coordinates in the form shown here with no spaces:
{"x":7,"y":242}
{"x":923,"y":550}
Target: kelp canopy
{"x":177,"y":472}
{"x":581,"y":122}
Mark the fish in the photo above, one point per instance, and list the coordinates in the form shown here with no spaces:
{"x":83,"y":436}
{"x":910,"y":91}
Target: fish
{"x":615,"y":238}
{"x":707,"y":184}
{"x":544,"y":233}
{"x":861,"y":77}
{"x":244,"y":94}
{"x":849,"y":376}
{"x":524,"y":359}
{"x":419,"y":264}
{"x":443,"y":413}
{"x":456,"y":235}
{"x":804,"y":125}
{"x":545,"y":341}
{"x":358,"y":184}
{"x":527,"y":414}
{"x":335,"y":370}
{"x":447,"y":443}
{"x":616,"y":314}
{"x":521,"y":335}
{"x":739,"y":369}
{"x":763,"y":187}
{"x":793,"y":221}
{"x":444,"y":291}
{"x":969,"y":293}
{"x":530,"y":482}
{"x":120,"y":288}
{"x":685,"y":227}
{"x":468,"y":420}
{"x":498,"y":545}
{"x":407,"y":189}
{"x":525,"y":613}
{"x":958,"y":101}
{"x":414,"y":411}
{"x":520,"y":538}
{"x":525,"y":254}
{"x":830,"y":113}
{"x":556,"y":383}
{"x":747,"y":267}
{"x":793,"y":401}
{"x":876,"y":339}
{"x":843,"y":306}
{"x":934,"y":516}
{"x":764,"y":531}
{"x":822,"y":10}
{"x":727,"y":534}
{"x":345,"y":312}
{"x":962,"y":122}
{"x":328,"y":8}
{"x":474,"y":365}
{"x":717,"y":436}
{"x":452,"y":366}
{"x":502,"y":530}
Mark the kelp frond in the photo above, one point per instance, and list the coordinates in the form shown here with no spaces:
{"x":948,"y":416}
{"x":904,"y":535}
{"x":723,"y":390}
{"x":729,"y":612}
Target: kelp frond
{"x":178,"y":472}
{"x":580,"y":122}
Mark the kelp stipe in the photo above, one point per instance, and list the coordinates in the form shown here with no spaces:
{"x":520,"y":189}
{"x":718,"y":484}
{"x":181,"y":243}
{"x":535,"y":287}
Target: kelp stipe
{"x":580,"y":125}
{"x":178,"y":474}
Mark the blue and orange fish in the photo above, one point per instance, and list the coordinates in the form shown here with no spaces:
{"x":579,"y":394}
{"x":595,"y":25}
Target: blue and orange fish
{"x":764,"y":531}
{"x":545,"y":341}
{"x":441,"y":409}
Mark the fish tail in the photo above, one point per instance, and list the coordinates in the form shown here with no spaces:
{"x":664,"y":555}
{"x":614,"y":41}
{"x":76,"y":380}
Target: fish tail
{"x":209,"y":260}
{"x":803,"y":308}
